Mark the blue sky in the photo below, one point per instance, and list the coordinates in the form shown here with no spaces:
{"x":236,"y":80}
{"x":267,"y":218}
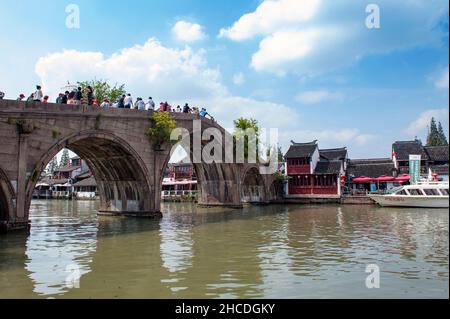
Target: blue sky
{"x":310,"y":68}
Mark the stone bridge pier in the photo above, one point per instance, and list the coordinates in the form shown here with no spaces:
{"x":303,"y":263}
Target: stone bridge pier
{"x":113,"y":142}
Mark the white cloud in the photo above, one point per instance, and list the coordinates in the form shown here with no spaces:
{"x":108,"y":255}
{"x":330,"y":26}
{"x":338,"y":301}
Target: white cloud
{"x":187,"y":31}
{"x":319,"y":36}
{"x":175,"y":75}
{"x":270,"y":15}
{"x":179,"y":76}
{"x":313,"y":97}
{"x":424,"y":119}
{"x":442,"y":81}
{"x":239,"y":78}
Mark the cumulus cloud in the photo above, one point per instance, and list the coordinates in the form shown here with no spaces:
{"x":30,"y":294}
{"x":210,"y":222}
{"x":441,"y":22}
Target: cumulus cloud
{"x":318,"y":96}
{"x":187,"y":31}
{"x":179,"y":76}
{"x":424,"y":119}
{"x":175,"y":75}
{"x":271,"y":15}
{"x":312,"y":37}
{"x":442,"y":81}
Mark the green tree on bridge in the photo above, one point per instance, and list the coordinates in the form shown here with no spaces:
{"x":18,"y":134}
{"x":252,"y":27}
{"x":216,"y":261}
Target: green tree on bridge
{"x":103,"y":90}
{"x":241,"y":128}
{"x":161,"y":128}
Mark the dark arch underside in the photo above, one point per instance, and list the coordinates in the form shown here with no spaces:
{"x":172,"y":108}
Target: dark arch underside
{"x":252,"y":187}
{"x":121,"y":181}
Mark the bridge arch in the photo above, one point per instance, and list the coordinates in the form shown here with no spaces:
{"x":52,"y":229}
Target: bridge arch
{"x":7,"y":196}
{"x":217,"y":183}
{"x":253,"y":186}
{"x":122,"y":176}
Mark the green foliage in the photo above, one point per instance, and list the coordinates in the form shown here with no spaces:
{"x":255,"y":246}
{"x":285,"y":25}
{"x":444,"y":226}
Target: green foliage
{"x":55,"y":134}
{"x":241,"y":125}
{"x":441,"y":134}
{"x":103,"y":90}
{"x":52,"y":166}
{"x":161,"y":128}
{"x":436,"y":135}
{"x":281,"y":178}
{"x":35,"y":176}
{"x":64,"y":158}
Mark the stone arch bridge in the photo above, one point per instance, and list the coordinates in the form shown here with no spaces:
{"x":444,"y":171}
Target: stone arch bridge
{"x":126,"y":166}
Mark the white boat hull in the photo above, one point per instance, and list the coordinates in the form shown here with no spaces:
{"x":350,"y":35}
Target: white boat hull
{"x":411,"y":201}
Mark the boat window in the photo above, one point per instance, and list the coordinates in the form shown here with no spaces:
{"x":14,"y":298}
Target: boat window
{"x":402,"y":192}
{"x":415,"y":192}
{"x":444,"y":191}
{"x":395,"y":190}
{"x":431,"y":192}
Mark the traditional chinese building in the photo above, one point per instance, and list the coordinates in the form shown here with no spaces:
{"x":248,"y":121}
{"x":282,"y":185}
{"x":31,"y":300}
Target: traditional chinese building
{"x":314,"y":173}
{"x":179,"y":180}
{"x":366,"y":175}
{"x":433,"y":158}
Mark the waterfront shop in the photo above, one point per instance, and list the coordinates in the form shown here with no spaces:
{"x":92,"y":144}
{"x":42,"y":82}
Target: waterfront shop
{"x":314,"y":173}
{"x":372,"y":175}
{"x":85,"y":189}
{"x":434,"y":160}
{"x":179,"y":183}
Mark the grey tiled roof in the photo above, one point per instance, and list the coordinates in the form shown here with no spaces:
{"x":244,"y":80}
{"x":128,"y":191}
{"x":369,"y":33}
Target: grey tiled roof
{"x":371,"y":168}
{"x":86,"y":182}
{"x":437,"y":153}
{"x":328,"y":167}
{"x":334,"y":154}
{"x":405,"y":148}
{"x":301,"y":149}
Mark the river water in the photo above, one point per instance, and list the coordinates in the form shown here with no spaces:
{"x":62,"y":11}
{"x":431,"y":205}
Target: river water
{"x":298,"y":251}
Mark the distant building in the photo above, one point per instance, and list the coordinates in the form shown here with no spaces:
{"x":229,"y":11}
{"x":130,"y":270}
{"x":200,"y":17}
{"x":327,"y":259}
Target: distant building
{"x":314,"y":173}
{"x":371,"y":174}
{"x":85,"y":188}
{"x":179,"y":180}
{"x":434,"y":158}
{"x":74,"y":180}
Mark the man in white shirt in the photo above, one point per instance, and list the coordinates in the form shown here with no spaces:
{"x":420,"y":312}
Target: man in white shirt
{"x":38,"y":95}
{"x":150,"y":105}
{"x":140,"y":104}
{"x":105,"y":103}
{"x":128,"y":101}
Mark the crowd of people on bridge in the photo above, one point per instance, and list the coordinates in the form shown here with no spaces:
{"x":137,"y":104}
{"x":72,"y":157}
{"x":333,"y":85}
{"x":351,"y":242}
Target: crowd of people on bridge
{"x":86,"y":96}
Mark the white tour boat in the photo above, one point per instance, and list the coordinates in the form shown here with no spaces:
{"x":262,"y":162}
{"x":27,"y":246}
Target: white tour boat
{"x":423,"y":194}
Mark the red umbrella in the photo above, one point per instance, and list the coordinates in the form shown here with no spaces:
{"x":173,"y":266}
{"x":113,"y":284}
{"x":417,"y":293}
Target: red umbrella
{"x":363,"y":179}
{"x":403,"y":178}
{"x":385,"y":178}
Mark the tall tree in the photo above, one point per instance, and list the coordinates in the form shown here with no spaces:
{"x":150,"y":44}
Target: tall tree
{"x":64,"y":158}
{"x":53,"y":165}
{"x":433,"y":134}
{"x":241,"y":127}
{"x":442,"y":137}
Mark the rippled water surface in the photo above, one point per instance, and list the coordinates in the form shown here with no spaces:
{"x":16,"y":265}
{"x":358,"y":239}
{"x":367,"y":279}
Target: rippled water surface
{"x":257,"y":252}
